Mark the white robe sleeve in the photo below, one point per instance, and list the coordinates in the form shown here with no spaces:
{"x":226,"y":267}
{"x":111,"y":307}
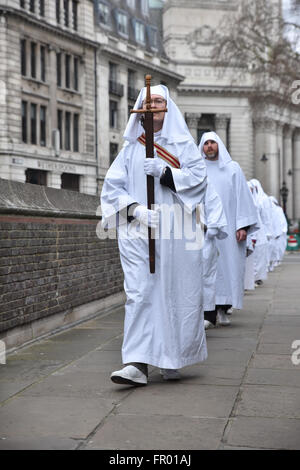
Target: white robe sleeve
{"x":114,"y":195}
{"x":214,"y":213}
{"x":190,"y":180}
{"x":246,"y":215}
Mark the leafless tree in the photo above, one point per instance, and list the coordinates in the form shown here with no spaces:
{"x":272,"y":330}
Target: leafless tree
{"x":261,"y":44}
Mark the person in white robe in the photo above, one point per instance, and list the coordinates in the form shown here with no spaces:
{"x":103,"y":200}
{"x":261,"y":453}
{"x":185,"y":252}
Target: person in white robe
{"x":265,"y":210}
{"x":261,"y":252}
{"x":216,"y":228}
{"x":280,"y":228}
{"x":164,"y":323}
{"x":249,"y":282}
{"x":230,"y":184}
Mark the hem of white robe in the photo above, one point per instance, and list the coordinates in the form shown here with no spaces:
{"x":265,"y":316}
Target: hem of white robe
{"x":222,"y":300}
{"x":209,"y":307}
{"x":157,"y":362}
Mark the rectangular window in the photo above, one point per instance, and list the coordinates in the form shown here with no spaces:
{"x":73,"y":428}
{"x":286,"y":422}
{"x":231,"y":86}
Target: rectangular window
{"x":42,"y":7}
{"x":60,"y":127}
{"x":113,"y":152}
{"x":70,"y":181}
{"x":23,"y":57}
{"x":24,"y":121}
{"x":153,"y":37}
{"x":75,"y":75}
{"x":132,"y":93}
{"x":68,"y":131}
{"x":33,"y":59}
{"x":43,"y":126}
{"x":76,"y":133}
{"x":32,"y":6}
{"x":131,"y":4}
{"x":130,"y":107}
{"x":58,"y":11}
{"x":113,"y":114}
{"x":113,"y":69}
{"x":144,"y":7}
{"x":140,"y":32}
{"x":22,"y":3}
{"x":43,"y":63}
{"x":58,"y":69}
{"x":75,"y":14}
{"x":66,"y":12}
{"x":103,"y":13}
{"x":122,"y":22}
{"x":67,"y":70}
{"x":36,"y":177}
{"x":33,"y":123}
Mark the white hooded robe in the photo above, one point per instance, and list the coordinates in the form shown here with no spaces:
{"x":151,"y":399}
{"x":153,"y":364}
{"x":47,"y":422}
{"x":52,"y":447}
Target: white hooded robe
{"x":231,"y":185}
{"x":164,"y":324}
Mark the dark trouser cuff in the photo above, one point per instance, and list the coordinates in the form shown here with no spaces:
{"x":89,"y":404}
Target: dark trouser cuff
{"x":140,"y":366}
{"x":211,"y":316}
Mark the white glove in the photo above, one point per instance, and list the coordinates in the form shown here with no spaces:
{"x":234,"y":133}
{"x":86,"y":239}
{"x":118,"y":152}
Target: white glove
{"x":211,"y":233}
{"x":154,"y":166}
{"x":146,"y":216}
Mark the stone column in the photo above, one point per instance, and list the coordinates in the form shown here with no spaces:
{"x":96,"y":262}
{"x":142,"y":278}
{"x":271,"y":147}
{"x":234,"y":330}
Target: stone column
{"x":192,"y":120}
{"x":88,"y":184}
{"x":52,"y":107}
{"x":288,"y":167}
{"x":54,"y":179}
{"x":221,"y":121}
{"x":260,"y":167}
{"x":273,"y":156}
{"x":296,"y":171}
{"x":280,"y":151}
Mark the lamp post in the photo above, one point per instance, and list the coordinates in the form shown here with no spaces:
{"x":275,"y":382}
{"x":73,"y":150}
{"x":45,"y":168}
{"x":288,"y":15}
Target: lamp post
{"x":284,"y":195}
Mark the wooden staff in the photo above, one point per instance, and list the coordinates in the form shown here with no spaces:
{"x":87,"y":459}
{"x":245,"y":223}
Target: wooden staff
{"x":148,"y":126}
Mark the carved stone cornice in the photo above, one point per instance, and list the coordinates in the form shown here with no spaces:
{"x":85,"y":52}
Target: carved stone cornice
{"x":288,"y":132}
{"x":264,"y":124}
{"x":221,"y":120}
{"x":296,"y":135}
{"x":192,"y":119}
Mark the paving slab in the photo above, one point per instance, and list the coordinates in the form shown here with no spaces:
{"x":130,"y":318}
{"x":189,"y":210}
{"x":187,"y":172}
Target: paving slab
{"x":138,"y":432}
{"x":209,"y":375}
{"x":269,"y":401}
{"x":273,"y":361}
{"x":45,"y":416}
{"x":75,"y":382}
{"x":165,"y":398}
{"x":264,"y":433}
{"x":275,"y":349}
{"x":273,"y":377}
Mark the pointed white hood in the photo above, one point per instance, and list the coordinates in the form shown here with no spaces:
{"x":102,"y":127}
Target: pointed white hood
{"x":174,"y":127}
{"x":224,"y":156}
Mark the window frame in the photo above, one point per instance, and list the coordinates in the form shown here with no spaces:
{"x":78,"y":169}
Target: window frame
{"x":138,"y":27}
{"x":122,"y":14}
{"x":105,"y":14}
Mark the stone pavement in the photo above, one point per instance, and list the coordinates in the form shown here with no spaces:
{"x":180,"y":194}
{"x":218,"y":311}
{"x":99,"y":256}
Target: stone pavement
{"x":57,"y":394}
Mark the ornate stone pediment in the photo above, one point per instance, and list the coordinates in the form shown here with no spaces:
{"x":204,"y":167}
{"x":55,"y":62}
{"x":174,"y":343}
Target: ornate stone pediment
{"x":201,"y":37}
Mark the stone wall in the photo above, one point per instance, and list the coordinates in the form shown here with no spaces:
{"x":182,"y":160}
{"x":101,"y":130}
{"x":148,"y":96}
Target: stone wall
{"x":52,"y":263}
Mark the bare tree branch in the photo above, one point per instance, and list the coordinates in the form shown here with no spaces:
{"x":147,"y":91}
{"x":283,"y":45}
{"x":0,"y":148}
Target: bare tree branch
{"x":260,"y":44}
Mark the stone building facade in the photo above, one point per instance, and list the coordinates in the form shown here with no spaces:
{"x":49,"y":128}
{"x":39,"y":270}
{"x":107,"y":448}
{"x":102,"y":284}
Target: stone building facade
{"x":130,"y":46}
{"x":47,"y":93}
{"x":70,"y":72}
{"x":209,"y":100}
